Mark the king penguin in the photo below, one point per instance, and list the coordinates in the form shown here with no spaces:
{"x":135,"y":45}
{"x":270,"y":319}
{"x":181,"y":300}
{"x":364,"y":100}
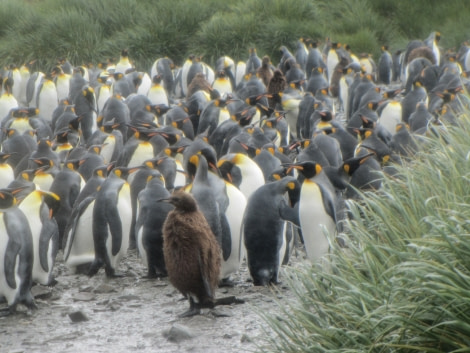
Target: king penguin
{"x":151,"y":214}
{"x":6,"y":171}
{"x":264,"y":226}
{"x":39,"y":207}
{"x":111,"y":221}
{"x":16,"y":254}
{"x":47,"y":98}
{"x":317,"y":210}
{"x":192,"y":254}
{"x":79,"y":247}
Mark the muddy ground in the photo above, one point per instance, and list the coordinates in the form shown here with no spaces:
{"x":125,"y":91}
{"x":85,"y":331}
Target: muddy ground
{"x":134,"y":314}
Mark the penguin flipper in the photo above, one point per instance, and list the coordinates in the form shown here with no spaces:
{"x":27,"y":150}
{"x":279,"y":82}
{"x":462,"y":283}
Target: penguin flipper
{"x":71,"y":229}
{"x":329,"y":205}
{"x":115,"y":228}
{"x":49,"y":231}
{"x":226,"y":237}
{"x":290,"y":214}
{"x":11,"y":254}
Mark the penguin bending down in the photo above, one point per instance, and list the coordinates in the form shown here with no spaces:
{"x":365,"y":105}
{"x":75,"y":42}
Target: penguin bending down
{"x":39,"y":207}
{"x":192,"y":253}
{"x":16,"y":254}
{"x":112,"y":221}
{"x":264,"y":228}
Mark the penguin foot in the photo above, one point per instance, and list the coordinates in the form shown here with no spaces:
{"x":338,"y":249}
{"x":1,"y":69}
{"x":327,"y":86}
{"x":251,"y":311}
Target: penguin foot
{"x":191,"y":312}
{"x":228,"y":300}
{"x":6,"y":312}
{"x":227,"y":282}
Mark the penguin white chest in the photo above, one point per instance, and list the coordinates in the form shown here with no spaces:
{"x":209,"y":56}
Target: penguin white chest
{"x":315,"y":222}
{"x":143,"y":152}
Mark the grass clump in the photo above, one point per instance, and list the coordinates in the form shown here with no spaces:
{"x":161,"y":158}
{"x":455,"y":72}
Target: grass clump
{"x":403,"y":285}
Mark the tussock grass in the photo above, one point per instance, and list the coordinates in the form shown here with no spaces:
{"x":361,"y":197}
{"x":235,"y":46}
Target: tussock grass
{"x":403,"y":285}
{"x":93,"y":31}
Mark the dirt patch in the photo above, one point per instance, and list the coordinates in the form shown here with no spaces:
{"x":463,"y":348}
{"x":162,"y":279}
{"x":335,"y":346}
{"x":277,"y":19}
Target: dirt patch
{"x":133,"y":314}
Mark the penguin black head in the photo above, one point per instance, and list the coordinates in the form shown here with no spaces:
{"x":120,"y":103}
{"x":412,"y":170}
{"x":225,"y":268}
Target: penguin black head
{"x":308,"y":169}
{"x":102,"y":171}
{"x":124,"y":172}
{"x":4,"y":157}
{"x":7,"y":198}
{"x":183,"y":201}
{"x":350,"y":166}
{"x":52,"y":201}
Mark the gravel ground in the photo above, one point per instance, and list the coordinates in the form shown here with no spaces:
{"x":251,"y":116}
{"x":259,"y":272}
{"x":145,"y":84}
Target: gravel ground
{"x":133,"y":314}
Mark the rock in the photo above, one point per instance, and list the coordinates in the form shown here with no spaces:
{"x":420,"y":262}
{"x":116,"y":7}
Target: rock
{"x":104,"y":288}
{"x":178,"y":333}
{"x":85,"y":288}
{"x":83,"y":297}
{"x":245,"y":338}
{"x":220,"y":313}
{"x":128,"y":297}
{"x":40,"y":292}
{"x":78,"y":316}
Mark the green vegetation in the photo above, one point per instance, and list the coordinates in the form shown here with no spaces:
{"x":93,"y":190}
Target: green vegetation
{"x":403,"y":285}
{"x":94,"y":31}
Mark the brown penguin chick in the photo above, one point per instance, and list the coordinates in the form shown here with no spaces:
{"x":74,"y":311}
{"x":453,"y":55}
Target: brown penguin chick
{"x":199,"y":82}
{"x":265,"y":71}
{"x":422,"y":52}
{"x":277,"y":84}
{"x":192,"y":253}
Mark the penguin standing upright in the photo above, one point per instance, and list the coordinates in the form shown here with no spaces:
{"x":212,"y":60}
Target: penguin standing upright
{"x":253,"y":62}
{"x":124,"y":63}
{"x":111,"y":221}
{"x":47,"y":99}
{"x":157,"y":94}
{"x":151,"y":215}
{"x":16,"y":254}
{"x":39,"y":207}
{"x":192,"y":254}
{"x":385,"y":66}
{"x":85,"y":108}
{"x":264,"y":226}
{"x":78,"y":244}
{"x":317,"y":210}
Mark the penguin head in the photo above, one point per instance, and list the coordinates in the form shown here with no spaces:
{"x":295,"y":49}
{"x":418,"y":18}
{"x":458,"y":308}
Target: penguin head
{"x":183,"y":201}
{"x":124,"y":172}
{"x":352,"y":164}
{"x":229,"y":170}
{"x":308,"y":169}
{"x":101,"y":172}
{"x":7,"y":198}
{"x":4,"y":157}
{"x":52,"y":201}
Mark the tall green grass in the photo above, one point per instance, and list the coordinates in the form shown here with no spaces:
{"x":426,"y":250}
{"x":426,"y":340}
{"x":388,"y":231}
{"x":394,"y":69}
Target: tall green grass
{"x":94,"y":31}
{"x":403,"y":283}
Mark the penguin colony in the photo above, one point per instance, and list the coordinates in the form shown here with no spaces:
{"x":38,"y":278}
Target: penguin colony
{"x":91,"y":157}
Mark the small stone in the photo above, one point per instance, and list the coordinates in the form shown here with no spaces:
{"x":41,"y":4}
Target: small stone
{"x":83,"y":297}
{"x":178,"y":333}
{"x":104,"y":288}
{"x":40,"y":292}
{"x":85,"y":289}
{"x":227,"y":336}
{"x":78,"y":316}
{"x":245,"y":338}
{"x":128,"y":297}
{"x":220,"y":313}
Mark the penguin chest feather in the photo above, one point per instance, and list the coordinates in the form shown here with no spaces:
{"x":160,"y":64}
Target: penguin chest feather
{"x":315,"y":220}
